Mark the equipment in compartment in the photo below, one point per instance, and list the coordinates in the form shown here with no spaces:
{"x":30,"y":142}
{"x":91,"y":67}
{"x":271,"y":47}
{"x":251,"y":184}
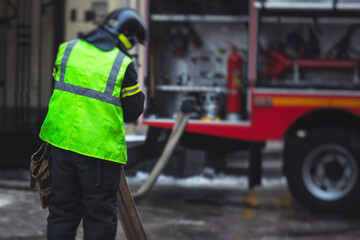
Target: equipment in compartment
{"x":309,"y":55}
{"x":193,"y":61}
{"x":210,"y":106}
{"x":181,"y":34}
{"x":234,"y":63}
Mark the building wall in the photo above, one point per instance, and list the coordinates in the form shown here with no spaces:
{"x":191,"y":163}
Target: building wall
{"x":12,"y":64}
{"x":30,"y":90}
{"x":80,"y":25}
{"x":74,"y":28}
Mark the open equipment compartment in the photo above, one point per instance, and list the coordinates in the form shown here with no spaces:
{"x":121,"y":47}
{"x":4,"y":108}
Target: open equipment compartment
{"x":190,"y":43}
{"x":317,"y":49}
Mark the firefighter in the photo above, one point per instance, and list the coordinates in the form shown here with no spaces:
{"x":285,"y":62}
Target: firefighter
{"x":96,"y":91}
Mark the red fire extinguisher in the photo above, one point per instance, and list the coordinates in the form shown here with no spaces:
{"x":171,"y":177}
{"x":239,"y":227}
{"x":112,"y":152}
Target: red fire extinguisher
{"x":233,"y":106}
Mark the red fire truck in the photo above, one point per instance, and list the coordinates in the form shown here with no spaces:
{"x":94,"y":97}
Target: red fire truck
{"x":263,"y":70}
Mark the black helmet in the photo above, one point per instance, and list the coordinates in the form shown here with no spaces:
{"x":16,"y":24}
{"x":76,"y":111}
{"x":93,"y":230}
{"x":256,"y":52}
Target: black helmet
{"x":127,"y":25}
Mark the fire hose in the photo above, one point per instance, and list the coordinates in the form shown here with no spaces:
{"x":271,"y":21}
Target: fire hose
{"x":174,"y":138}
{"x":128,"y":214}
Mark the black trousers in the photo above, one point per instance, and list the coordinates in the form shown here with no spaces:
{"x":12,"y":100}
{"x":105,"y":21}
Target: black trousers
{"x":75,"y":196}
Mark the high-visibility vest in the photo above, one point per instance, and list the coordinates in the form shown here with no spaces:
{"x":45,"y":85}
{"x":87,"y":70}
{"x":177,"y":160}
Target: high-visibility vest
{"x":85,"y":114}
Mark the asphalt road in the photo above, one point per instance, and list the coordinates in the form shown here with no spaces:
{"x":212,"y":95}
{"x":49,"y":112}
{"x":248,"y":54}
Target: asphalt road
{"x":175,"y":211}
{"x":210,"y":206}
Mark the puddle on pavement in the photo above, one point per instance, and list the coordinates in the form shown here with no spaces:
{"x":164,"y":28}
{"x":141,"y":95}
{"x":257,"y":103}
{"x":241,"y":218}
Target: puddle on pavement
{"x":292,"y":220}
{"x":5,"y":200}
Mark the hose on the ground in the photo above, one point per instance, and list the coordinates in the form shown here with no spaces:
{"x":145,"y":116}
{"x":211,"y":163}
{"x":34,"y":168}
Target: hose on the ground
{"x":174,"y":138}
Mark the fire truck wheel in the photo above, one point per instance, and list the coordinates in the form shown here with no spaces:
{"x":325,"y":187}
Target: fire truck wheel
{"x":323,"y":170}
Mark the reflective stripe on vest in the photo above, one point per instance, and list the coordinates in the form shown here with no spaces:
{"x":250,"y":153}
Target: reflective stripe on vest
{"x":105,"y":96}
{"x":129,"y":91}
{"x":84,"y":113}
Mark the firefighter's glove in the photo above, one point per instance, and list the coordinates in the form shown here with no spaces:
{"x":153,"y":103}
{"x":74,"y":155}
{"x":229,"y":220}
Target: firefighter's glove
{"x":188,"y":105}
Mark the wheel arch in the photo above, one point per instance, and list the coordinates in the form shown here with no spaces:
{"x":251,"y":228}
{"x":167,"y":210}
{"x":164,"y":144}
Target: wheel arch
{"x":326,"y":117}
{"x":319,"y":118}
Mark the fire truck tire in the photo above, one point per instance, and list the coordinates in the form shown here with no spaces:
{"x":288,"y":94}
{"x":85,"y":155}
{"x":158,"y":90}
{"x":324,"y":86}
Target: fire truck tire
{"x":323,"y":170}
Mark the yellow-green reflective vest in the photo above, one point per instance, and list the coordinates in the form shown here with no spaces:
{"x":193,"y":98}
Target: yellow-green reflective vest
{"x":85,"y":114}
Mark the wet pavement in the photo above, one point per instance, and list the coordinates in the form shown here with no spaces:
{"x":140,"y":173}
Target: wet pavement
{"x":174,"y":210}
{"x":208,"y":206}
{"x":230,"y":214}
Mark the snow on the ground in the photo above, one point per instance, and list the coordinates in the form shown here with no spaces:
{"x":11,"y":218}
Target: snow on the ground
{"x":135,"y":138}
{"x":5,"y":200}
{"x":208,"y":179}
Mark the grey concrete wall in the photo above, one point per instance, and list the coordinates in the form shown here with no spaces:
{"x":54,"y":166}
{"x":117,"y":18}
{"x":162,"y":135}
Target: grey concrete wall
{"x":44,"y":73}
{"x":18,"y":95}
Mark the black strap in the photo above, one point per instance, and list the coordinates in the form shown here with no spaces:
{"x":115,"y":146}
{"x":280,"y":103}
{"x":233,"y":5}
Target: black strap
{"x":99,"y":174}
{"x":36,"y":170}
{"x":44,"y":202}
{"x":32,"y":182}
{"x":44,"y":183}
